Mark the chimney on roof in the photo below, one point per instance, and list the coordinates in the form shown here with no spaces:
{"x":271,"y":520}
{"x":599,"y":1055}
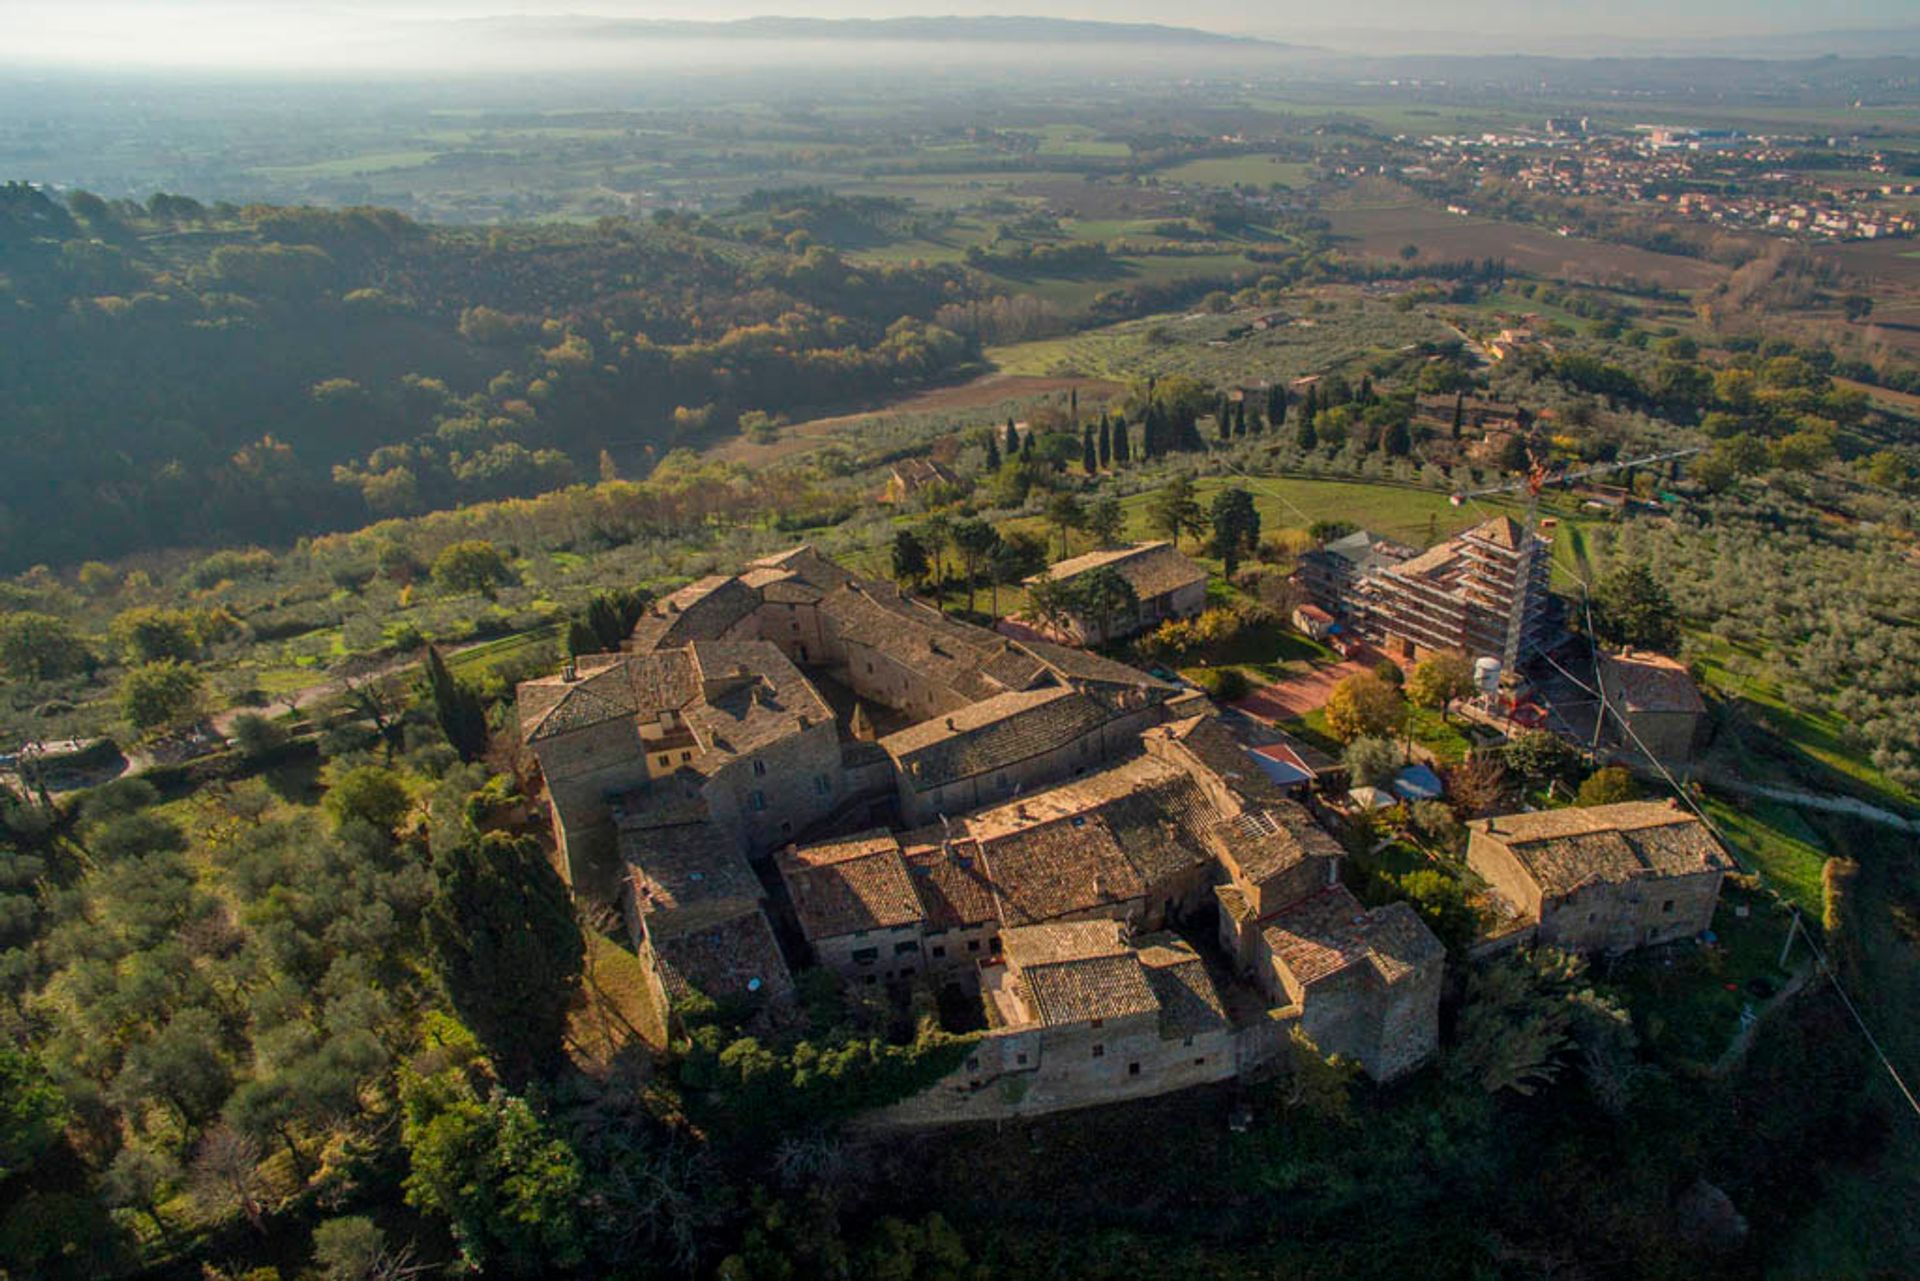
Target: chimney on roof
{"x":569,"y":672}
{"x":950,"y":724}
{"x":673,"y":606}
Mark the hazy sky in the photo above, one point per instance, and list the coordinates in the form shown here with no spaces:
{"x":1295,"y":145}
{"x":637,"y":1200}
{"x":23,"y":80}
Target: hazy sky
{"x":292,"y":32}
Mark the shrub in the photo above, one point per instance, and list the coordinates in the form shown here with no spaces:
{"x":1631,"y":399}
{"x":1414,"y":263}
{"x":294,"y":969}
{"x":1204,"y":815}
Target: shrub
{"x":1226,"y":684}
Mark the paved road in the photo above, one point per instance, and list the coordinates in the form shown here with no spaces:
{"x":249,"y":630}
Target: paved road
{"x":1815,"y":801}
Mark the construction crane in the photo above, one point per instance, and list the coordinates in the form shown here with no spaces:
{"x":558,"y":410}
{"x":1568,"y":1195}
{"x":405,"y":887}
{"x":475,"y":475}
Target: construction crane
{"x":1538,"y":477}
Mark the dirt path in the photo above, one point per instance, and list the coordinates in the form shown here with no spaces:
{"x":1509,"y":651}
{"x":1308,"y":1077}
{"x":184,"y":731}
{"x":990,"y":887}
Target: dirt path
{"x":1815,"y":801}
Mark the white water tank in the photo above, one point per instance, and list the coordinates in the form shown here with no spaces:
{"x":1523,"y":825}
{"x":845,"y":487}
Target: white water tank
{"x":1486,"y":674}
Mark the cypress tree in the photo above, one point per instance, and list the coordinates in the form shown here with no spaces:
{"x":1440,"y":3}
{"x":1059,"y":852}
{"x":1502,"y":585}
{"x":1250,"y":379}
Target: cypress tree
{"x":1276,"y":406}
{"x":1240,"y":419}
{"x":1089,"y":452}
{"x":1013,"y":439}
{"x":462,"y":717}
{"x":1026,"y":447}
{"x":1106,"y":441}
{"x":506,"y":946}
{"x":993,"y":451}
{"x":1122,"y":442}
{"x":1366,"y":389}
{"x":581,"y":638}
{"x":1073,"y":406}
{"x":1459,"y":412}
{"x":1223,"y":418}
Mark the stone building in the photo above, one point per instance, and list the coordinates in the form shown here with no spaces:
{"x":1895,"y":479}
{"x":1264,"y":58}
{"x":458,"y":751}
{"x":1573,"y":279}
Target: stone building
{"x":1606,"y":879}
{"x":1086,"y":1015}
{"x":1166,"y":584}
{"x":731,"y":723}
{"x":857,"y":906}
{"x":1329,"y":573}
{"x":1483,"y":592}
{"x":1657,"y":699}
{"x":1044,"y":815}
{"x":1366,"y":980}
{"x":913,"y":476}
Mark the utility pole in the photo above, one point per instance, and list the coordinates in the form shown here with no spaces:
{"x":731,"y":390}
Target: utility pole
{"x":1792,"y":926}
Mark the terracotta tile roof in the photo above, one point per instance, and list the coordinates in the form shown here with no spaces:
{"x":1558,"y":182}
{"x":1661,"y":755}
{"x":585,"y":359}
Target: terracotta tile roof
{"x":686,"y":868}
{"x":1330,"y":932}
{"x":727,"y":956}
{"x":951,"y":880}
{"x":756,"y":697}
{"x":1265,"y":841}
{"x":1058,"y":868}
{"x":1189,"y":1003}
{"x":991,"y":734}
{"x":1071,"y":973}
{"x":1502,"y":531}
{"x":1151,"y":569}
{"x":622,"y":685}
{"x":1646,"y":682}
{"x":950,"y":654}
{"x":845,"y":886}
{"x":1567,"y":848}
{"x":1210,"y":743}
{"x":808,"y":566}
{"x":1089,"y":670}
{"x":703,"y":610}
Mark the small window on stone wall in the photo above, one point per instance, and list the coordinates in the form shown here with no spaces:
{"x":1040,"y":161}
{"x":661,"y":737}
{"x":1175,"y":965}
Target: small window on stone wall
{"x":1099,"y":1051}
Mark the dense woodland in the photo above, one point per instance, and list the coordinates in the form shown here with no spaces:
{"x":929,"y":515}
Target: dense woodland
{"x":182,"y":374}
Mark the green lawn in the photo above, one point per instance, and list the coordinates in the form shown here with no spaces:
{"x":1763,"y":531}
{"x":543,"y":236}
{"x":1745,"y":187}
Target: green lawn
{"x":1238,"y":171}
{"x":1686,"y":999}
{"x":1775,"y":841}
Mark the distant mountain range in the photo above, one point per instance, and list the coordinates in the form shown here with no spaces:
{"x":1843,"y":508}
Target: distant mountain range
{"x":984,"y":30}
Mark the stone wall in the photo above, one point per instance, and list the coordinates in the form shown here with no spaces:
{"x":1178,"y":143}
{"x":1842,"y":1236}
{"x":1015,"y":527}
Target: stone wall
{"x":1643,"y":912}
{"x":1030,"y":1071}
{"x":768,"y":797}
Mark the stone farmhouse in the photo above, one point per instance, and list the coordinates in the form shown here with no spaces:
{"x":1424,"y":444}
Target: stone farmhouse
{"x":1167,"y":585}
{"x":1035,"y":825}
{"x":1606,"y":879}
{"x":1657,"y":699}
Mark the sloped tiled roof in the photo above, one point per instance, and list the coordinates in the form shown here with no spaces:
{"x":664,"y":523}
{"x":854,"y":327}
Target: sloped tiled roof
{"x":1074,"y":972}
{"x":1646,"y":682}
{"x":686,"y":868}
{"x":622,"y":685}
{"x":1567,"y":848}
{"x":951,"y":880}
{"x":730,"y":956}
{"x":1058,"y":868}
{"x":1268,"y":839}
{"x":1189,"y":1003}
{"x":1151,"y":569}
{"x":991,"y":735}
{"x":703,"y":610}
{"x":1329,"y":932}
{"x":845,"y":886}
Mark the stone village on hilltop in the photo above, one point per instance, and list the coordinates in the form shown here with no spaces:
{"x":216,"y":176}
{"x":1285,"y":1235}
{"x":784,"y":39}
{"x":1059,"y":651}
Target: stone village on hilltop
{"x":1090,"y":851}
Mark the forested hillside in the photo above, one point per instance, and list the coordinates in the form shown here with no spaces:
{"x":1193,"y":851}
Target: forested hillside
{"x":179,"y":374}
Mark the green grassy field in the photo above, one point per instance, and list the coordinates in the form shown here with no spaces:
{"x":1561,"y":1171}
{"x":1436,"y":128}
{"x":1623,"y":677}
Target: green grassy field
{"x":1775,"y":841}
{"x":1238,"y":171}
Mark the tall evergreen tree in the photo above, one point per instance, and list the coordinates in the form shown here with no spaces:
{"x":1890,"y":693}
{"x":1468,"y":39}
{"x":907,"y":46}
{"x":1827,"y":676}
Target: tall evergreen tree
{"x":1366,"y":389}
{"x":993,"y":451}
{"x":507,"y":948}
{"x":1073,"y":406}
{"x":1235,"y":527}
{"x":1106,"y":441}
{"x":1122,"y":441}
{"x":1459,"y":412}
{"x":462,"y":716}
{"x":1276,"y":406}
{"x":1303,"y":430}
{"x":1013,"y":440}
{"x":1089,"y":451}
{"x":1026,"y":447}
{"x":1240,"y":420}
